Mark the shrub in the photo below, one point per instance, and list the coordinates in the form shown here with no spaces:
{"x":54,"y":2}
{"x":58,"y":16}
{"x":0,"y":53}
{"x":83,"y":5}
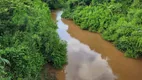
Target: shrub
{"x":118,"y":21}
{"x":28,"y":39}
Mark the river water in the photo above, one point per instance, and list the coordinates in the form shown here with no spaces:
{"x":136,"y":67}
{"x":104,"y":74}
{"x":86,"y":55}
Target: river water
{"x":92,"y":58}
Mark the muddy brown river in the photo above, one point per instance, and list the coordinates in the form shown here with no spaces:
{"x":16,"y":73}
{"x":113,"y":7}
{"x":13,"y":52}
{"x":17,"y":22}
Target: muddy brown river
{"x":92,"y":58}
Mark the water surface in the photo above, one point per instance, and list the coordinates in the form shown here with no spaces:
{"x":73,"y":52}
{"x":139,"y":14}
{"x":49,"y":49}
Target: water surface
{"x":83,"y":63}
{"x":82,"y":45}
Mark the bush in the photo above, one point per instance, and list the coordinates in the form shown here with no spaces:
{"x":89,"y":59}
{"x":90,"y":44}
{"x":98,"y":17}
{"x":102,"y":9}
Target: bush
{"x":118,"y":21}
{"x":55,"y":4}
{"x":28,"y":39}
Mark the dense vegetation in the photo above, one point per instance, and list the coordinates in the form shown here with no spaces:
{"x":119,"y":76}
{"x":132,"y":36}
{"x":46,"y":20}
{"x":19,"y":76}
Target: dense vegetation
{"x":28,"y":40}
{"x":28,"y":37}
{"x":55,"y":4}
{"x":118,"y":21}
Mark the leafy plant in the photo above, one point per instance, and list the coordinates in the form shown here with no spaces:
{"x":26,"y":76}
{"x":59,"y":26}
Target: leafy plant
{"x":28,"y":39}
{"x":118,"y":21}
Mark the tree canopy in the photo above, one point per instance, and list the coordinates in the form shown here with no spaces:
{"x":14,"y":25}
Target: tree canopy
{"x":28,"y":40}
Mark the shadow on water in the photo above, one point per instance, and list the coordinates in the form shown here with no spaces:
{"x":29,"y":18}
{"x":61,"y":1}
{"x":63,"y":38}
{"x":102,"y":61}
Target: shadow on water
{"x":83,"y":63}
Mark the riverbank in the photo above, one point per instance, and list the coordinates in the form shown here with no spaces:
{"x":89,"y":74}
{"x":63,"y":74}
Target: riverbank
{"x":125,"y":68}
{"x":118,"y":22}
{"x":28,"y":40}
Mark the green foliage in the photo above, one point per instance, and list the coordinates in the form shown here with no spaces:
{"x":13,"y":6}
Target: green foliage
{"x":55,"y":53}
{"x":3,"y":62}
{"x":67,"y":14}
{"x":118,"y":21}
{"x":28,"y":40}
{"x":24,"y":62}
{"x":55,"y":4}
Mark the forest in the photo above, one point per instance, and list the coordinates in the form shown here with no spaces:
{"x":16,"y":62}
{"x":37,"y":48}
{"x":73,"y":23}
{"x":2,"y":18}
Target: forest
{"x":118,"y":21}
{"x":28,"y":40}
{"x":28,"y":37}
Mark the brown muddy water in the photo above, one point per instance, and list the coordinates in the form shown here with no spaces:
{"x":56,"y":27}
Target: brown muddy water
{"x":92,"y":58}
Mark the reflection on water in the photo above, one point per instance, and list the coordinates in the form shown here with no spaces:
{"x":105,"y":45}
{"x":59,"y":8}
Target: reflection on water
{"x":83,"y":63}
{"x":62,"y":28}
